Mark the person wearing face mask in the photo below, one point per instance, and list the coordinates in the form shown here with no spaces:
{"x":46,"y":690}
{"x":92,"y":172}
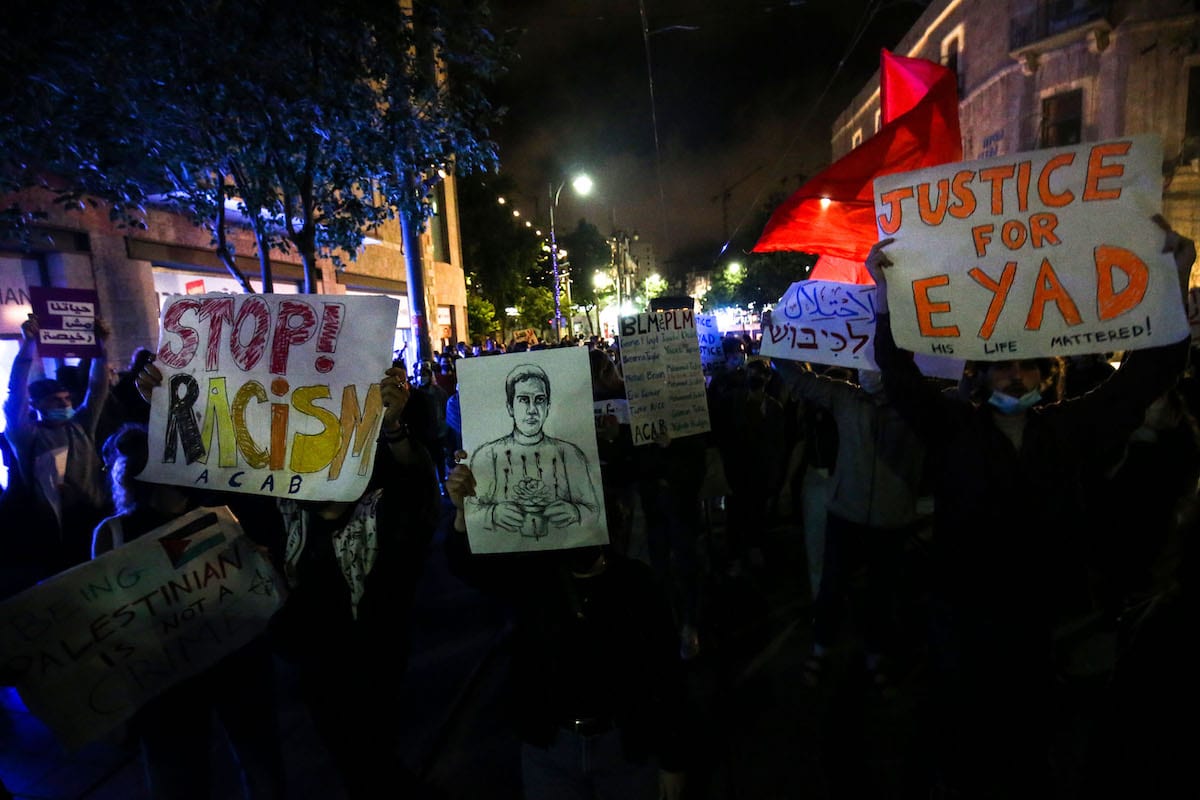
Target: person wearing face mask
{"x":1006,"y":495}
{"x":56,"y":457}
{"x":871,"y":509}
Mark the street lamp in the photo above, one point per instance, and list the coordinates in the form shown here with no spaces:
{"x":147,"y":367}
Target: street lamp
{"x":582,"y":185}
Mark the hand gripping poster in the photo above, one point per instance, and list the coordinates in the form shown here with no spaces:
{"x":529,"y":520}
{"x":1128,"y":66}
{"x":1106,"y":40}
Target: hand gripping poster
{"x":270,"y":394}
{"x":91,"y":645}
{"x":1051,"y":252}
{"x":529,"y":432}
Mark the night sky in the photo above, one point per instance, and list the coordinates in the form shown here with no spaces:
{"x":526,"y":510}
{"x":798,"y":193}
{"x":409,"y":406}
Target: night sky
{"x":736,"y":99}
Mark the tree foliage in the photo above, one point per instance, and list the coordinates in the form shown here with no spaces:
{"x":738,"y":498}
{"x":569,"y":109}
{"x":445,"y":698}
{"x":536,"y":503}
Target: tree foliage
{"x":320,"y":120}
{"x":481,"y":316}
{"x":500,"y":255}
{"x":536,"y":309}
{"x":589,"y":252}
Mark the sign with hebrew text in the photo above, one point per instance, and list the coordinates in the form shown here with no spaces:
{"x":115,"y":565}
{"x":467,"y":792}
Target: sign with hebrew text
{"x":91,"y":645}
{"x":270,"y":394}
{"x":824,"y":322}
{"x":1050,"y":252}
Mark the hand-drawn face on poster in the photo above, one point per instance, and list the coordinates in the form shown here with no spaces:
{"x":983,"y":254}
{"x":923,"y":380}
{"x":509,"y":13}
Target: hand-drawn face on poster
{"x":529,"y":430}
{"x":270,"y":394}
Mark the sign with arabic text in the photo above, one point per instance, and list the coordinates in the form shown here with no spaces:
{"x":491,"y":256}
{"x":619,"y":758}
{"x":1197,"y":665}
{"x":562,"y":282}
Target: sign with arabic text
{"x":270,"y":394}
{"x":66,"y":321}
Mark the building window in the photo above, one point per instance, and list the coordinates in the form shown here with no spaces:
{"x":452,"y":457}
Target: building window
{"x":856,"y":139}
{"x":1062,"y":119}
{"x":1191,"y":126}
{"x":438,"y":229}
{"x":952,"y":47}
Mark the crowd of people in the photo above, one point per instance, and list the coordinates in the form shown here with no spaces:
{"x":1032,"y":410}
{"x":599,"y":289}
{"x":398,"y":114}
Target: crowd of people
{"x":1047,"y":491}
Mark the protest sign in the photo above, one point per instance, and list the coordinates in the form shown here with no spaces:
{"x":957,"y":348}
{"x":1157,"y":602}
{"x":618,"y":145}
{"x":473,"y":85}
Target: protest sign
{"x":824,"y":322}
{"x":530,"y":432}
{"x":1051,"y":252}
{"x":66,"y":321}
{"x":712,"y":355}
{"x":660,"y":359}
{"x":93,"y":644}
{"x":15,"y":305}
{"x":270,"y":394}
{"x":827,"y":322}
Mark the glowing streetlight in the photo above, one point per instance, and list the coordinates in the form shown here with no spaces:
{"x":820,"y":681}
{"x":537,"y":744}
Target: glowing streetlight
{"x":583,"y":185}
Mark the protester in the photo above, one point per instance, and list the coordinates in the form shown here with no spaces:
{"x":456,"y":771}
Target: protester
{"x":57,"y":460}
{"x":597,"y":685}
{"x":352,"y":569}
{"x":749,"y":429}
{"x":239,"y":689}
{"x":618,"y":457}
{"x":1003,"y":496}
{"x":870,"y":512}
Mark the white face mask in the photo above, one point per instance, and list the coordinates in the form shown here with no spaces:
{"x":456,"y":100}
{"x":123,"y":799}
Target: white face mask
{"x":1007,"y":404}
{"x":58,"y":414}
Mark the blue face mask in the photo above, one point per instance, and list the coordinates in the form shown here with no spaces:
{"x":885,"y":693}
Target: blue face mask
{"x":1007,"y":404}
{"x":58,"y":414}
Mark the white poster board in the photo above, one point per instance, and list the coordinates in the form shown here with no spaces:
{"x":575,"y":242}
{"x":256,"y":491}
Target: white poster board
{"x":15,"y":303}
{"x":1051,"y":252}
{"x":827,"y":322}
{"x":528,"y":426}
{"x":270,"y":394}
{"x":660,"y":359}
{"x":712,"y":353}
{"x":94,"y":643}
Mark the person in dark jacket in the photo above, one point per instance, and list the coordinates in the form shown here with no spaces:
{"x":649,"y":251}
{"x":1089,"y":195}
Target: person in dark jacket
{"x":597,"y":686}
{"x":1005,"y":491}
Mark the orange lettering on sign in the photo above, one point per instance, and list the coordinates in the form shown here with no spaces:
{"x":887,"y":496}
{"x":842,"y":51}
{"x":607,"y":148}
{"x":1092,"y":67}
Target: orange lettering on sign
{"x":932,"y":215}
{"x":963,"y":194}
{"x":890,"y":223}
{"x":926,"y":307}
{"x":1097,"y":171}
{"x":997,"y":176}
{"x":1111,"y":304}
{"x":999,"y":290}
{"x":1048,"y":197}
{"x":1041,"y":229}
{"x":1048,"y":289}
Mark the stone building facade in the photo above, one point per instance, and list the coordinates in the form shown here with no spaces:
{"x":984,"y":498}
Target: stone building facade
{"x":1044,"y":73}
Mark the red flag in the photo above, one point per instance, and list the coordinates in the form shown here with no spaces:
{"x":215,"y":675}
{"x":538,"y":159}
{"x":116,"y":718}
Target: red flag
{"x":833,"y":214}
